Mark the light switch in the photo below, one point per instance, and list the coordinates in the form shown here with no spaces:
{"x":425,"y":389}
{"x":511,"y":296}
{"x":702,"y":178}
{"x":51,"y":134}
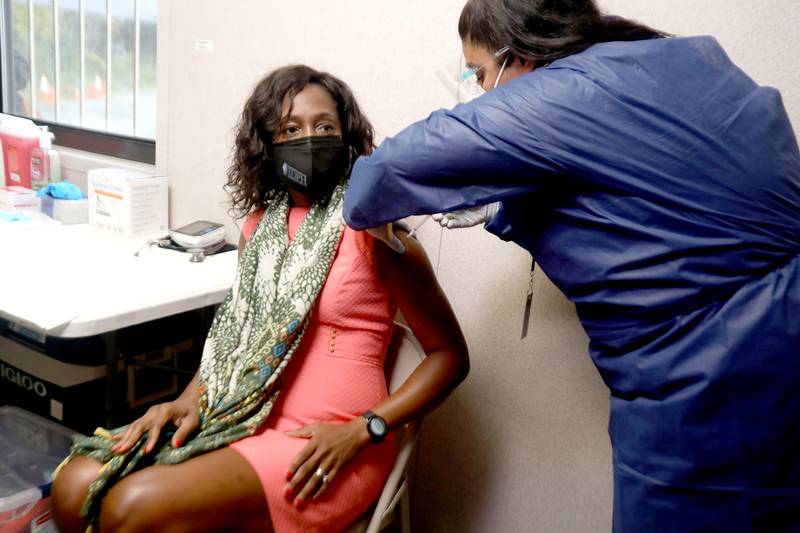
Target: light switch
{"x":203,"y":45}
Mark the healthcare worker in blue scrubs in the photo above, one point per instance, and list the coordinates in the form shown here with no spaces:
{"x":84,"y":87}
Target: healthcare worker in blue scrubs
{"x":658,"y":186}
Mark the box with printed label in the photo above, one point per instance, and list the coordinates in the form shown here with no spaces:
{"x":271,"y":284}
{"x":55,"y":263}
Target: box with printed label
{"x":16,"y":198}
{"x":64,"y":379}
{"x":72,"y":394}
{"x":128,"y":202}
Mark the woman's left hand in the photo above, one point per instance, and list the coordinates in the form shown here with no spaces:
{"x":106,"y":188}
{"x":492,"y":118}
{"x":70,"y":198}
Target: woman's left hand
{"x":330,"y":447}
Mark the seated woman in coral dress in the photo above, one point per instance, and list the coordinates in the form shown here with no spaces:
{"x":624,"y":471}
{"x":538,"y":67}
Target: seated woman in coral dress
{"x":310,"y":317}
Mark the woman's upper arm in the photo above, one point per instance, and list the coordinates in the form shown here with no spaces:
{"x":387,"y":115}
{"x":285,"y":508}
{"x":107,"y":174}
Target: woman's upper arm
{"x":413,"y":285}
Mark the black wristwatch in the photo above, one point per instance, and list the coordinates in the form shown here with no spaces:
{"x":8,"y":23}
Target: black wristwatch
{"x":376,"y":427}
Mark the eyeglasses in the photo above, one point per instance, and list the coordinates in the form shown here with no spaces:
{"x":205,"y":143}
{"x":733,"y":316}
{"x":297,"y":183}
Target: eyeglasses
{"x":470,"y":72}
{"x":463,"y":84}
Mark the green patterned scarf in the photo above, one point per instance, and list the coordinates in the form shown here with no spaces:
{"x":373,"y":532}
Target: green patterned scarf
{"x":254,"y":335}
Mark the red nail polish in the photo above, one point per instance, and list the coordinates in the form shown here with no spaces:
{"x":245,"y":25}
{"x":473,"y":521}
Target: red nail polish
{"x":298,"y":502}
{"x":177,"y":443}
{"x":289,"y":474}
{"x":287,"y":491}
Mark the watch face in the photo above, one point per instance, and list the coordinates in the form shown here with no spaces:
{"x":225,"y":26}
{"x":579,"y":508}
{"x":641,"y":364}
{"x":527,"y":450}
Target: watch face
{"x":377,"y":426}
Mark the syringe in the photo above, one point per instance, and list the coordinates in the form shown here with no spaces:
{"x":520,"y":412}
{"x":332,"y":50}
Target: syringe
{"x":413,"y":231}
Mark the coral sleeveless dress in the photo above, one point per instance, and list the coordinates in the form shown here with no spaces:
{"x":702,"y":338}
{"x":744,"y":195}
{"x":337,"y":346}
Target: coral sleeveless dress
{"x":336,"y":374}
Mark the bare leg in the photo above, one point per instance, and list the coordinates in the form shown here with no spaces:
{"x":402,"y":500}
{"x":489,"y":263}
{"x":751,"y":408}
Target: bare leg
{"x":68,"y":492}
{"x":217,"y":491}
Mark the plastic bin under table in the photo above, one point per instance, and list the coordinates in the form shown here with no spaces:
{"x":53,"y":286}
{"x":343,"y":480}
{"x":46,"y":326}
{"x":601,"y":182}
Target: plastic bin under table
{"x":30,"y":450}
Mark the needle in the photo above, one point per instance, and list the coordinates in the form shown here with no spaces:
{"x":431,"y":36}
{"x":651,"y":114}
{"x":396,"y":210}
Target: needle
{"x":414,"y":230}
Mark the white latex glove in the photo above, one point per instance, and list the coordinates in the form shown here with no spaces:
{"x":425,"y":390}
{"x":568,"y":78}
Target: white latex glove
{"x":466,"y":218}
{"x":386,"y":234}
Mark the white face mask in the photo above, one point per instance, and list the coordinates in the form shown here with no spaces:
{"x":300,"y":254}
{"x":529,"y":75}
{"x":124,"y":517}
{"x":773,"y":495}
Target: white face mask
{"x":475,"y":89}
{"x":463,"y":84}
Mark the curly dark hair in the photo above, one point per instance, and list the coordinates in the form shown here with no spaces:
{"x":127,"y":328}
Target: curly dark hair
{"x":252,"y":180}
{"x":545,"y":30}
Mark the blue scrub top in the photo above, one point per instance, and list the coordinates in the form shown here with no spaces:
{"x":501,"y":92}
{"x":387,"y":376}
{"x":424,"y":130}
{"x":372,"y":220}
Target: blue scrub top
{"x":658,"y":186}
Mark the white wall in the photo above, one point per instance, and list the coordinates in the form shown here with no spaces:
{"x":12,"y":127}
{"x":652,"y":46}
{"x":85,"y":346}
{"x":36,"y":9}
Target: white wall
{"x":522,"y":444}
{"x":762,"y":37}
{"x":389,"y":64}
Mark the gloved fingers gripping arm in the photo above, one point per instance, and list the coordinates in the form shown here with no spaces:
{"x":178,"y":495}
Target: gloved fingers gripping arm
{"x":466,"y":218}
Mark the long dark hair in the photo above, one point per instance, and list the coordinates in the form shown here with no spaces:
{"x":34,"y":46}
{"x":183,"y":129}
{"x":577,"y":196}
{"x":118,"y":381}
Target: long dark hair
{"x":542,"y":31}
{"x":252,"y":180}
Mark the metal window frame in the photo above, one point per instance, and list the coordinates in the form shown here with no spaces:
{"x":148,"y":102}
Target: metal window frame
{"x":111,"y":144}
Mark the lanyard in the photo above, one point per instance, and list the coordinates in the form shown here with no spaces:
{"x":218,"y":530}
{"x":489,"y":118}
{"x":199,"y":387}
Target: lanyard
{"x":526,"y":317}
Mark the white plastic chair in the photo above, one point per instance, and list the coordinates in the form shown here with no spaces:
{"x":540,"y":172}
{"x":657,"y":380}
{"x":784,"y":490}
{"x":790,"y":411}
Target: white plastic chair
{"x":402,"y":357}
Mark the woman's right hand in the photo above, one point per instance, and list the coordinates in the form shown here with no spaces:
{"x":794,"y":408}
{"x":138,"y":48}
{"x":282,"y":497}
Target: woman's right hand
{"x":183,"y":413}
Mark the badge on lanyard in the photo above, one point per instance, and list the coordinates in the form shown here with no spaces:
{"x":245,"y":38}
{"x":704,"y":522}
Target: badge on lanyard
{"x":526,"y":317}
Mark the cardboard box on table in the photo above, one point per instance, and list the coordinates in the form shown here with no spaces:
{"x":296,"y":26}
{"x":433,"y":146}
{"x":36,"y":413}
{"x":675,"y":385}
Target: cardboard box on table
{"x":127,"y":202}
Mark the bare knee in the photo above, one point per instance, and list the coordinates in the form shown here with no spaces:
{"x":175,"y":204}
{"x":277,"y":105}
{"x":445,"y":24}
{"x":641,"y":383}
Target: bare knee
{"x":150,"y":500}
{"x":69,"y":491}
{"x":135,"y":504}
{"x":120,"y":509}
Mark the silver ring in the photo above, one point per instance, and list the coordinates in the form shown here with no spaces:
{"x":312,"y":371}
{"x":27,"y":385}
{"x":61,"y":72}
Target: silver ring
{"x":321,"y":473}
{"x":325,"y":479}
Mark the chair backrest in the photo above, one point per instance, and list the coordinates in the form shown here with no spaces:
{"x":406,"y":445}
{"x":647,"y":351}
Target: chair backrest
{"x":403,"y":355}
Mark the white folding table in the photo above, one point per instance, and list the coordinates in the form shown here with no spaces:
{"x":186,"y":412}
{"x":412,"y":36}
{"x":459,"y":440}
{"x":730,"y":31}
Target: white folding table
{"x":76,"y":281}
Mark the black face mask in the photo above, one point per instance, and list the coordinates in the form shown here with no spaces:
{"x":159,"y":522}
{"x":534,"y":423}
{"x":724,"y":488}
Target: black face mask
{"x":312,"y":164}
